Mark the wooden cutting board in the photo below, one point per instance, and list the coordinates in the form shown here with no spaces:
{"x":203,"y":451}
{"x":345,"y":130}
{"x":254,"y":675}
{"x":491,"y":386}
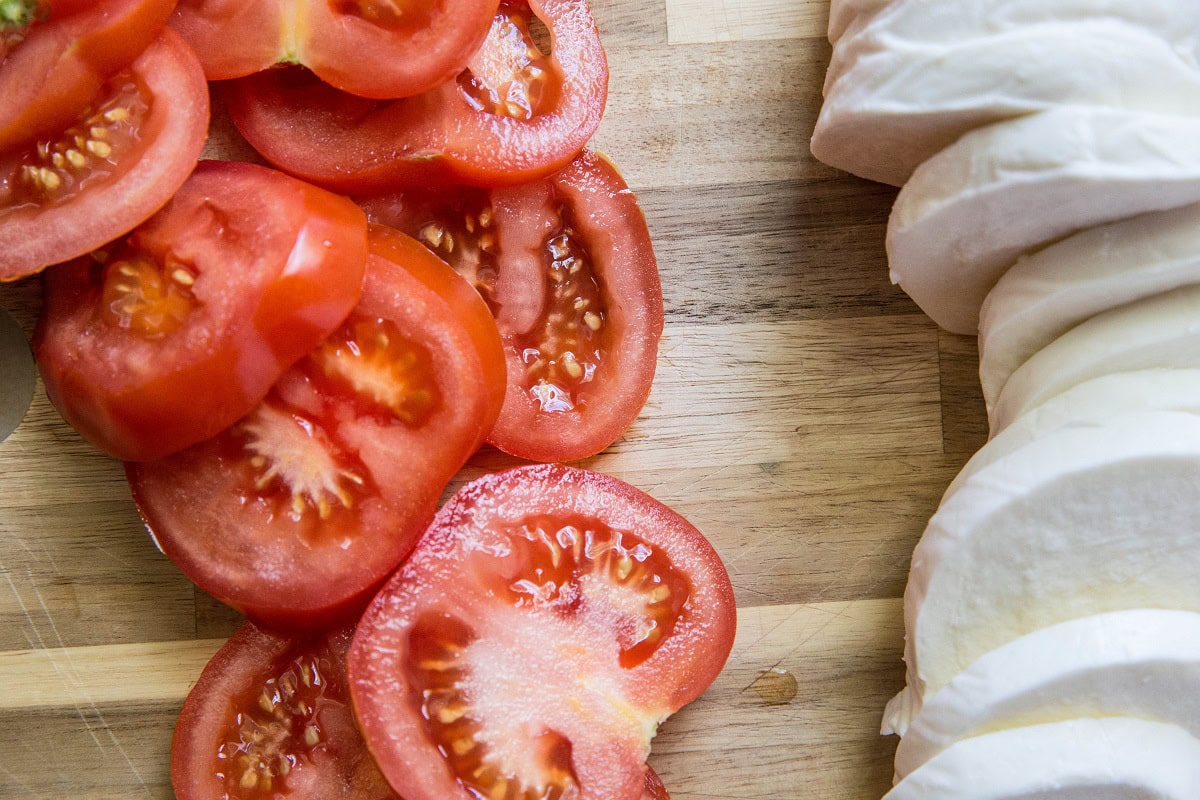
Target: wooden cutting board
{"x":805,"y":416}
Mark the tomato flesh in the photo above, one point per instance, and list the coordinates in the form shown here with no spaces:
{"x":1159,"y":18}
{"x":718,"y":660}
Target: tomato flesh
{"x":546,"y":623}
{"x":329,"y":481}
{"x":168,"y":336}
{"x":567,"y":268}
{"x":73,"y":191}
{"x":56,"y":56}
{"x":371,"y":48}
{"x":270,"y":717}
{"x":514,"y":115}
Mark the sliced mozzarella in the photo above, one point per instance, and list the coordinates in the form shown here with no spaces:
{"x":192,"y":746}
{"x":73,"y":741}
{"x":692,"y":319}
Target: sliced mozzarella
{"x":1160,"y":332}
{"x":843,"y":14}
{"x":1091,"y":403}
{"x":1080,"y":521}
{"x":1140,"y":663}
{"x":1048,"y":293}
{"x":1116,"y":758}
{"x":892,"y":110}
{"x":972,"y":210}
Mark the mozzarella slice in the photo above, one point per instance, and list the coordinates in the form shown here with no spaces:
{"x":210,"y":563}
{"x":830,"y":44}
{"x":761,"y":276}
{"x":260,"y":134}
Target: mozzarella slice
{"x":1048,"y":293}
{"x":1080,"y":521}
{"x":843,"y":14}
{"x":1117,"y":758}
{"x":1140,"y":663}
{"x":972,"y":210}
{"x":1092,"y":403}
{"x":892,"y":110}
{"x":1160,"y":332}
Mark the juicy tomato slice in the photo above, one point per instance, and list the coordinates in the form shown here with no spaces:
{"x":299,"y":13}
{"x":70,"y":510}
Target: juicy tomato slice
{"x":566,"y":265}
{"x":71,"y":192}
{"x":372,"y":48}
{"x":55,"y":57}
{"x":298,"y":512}
{"x":171,"y":334}
{"x":515,"y":114}
{"x":547,"y":622}
{"x":270,"y":717}
{"x":653,"y":788}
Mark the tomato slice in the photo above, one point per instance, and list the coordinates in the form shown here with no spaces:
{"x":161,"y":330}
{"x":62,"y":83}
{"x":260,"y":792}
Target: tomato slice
{"x":372,"y":48}
{"x":515,"y":114}
{"x":331,"y":479}
{"x":55,"y":57}
{"x":547,"y":622}
{"x":653,"y":788}
{"x":168,"y":336}
{"x":566,"y":265}
{"x":67,"y":194}
{"x":270,"y":717}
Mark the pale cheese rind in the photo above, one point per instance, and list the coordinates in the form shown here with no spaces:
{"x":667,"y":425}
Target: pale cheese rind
{"x":1115,"y":758}
{"x":969,"y":213}
{"x":1141,"y":663}
{"x":891,"y":110}
{"x":1081,"y":521}
{"x":1159,"y":332}
{"x":1051,"y":291}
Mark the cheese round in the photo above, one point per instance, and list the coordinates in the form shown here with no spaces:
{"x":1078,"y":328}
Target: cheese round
{"x":1115,"y":758}
{"x":1159,"y":332}
{"x":969,"y":213}
{"x":891,"y":110}
{"x":1051,"y":291}
{"x":1141,"y":663}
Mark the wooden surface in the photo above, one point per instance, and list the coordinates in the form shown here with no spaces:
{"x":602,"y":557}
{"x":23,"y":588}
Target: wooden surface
{"x":805,"y":416}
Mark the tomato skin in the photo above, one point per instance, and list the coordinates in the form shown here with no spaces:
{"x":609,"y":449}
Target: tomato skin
{"x":654,"y":789}
{"x":202,"y":379}
{"x":450,"y":588}
{"x":347,"y":51}
{"x":590,"y":197}
{"x":356,"y":145}
{"x":49,"y":77}
{"x":338,"y":767}
{"x":291,"y":567}
{"x":170,"y":140}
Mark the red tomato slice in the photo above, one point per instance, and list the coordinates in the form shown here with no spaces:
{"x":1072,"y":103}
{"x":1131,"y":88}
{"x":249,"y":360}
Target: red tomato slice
{"x":172,"y":334}
{"x":567,"y":267}
{"x":653,"y":788}
{"x":73,"y":192}
{"x":270,"y":717}
{"x":56,"y":56}
{"x":330,"y":480}
{"x":372,"y":48}
{"x":547,"y":622}
{"x":514,"y":115}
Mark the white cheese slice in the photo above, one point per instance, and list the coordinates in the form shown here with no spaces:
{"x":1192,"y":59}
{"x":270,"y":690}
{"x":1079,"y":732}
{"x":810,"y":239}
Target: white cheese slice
{"x":1001,"y":191}
{"x":1142,"y":663}
{"x":1160,"y":332}
{"x":843,"y":14}
{"x":1051,"y":291}
{"x":1091,"y":403}
{"x":1117,"y":758}
{"x":894,"y":109}
{"x":1080,"y":521}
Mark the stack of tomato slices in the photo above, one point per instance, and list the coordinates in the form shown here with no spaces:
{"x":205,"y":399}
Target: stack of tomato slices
{"x":293,"y":383}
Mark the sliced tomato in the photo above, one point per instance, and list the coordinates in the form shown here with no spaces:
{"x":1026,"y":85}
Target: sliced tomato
{"x":515,"y":114}
{"x":173,"y":333}
{"x":372,"y":48}
{"x":270,"y":718}
{"x":56,"y":55}
{"x":297,"y":513}
{"x":653,"y":788}
{"x":567,"y":268}
{"x":67,"y":194}
{"x":547,"y":622}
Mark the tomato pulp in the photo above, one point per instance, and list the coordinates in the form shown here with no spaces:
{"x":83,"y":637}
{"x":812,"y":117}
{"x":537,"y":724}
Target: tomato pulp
{"x":567,"y":267}
{"x":515,"y":114}
{"x":547,"y":622}
{"x":168,"y":336}
{"x":301,"y":509}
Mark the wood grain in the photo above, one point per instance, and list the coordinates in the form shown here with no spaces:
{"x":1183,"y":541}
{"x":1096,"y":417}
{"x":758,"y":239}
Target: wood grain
{"x":805,"y":416}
